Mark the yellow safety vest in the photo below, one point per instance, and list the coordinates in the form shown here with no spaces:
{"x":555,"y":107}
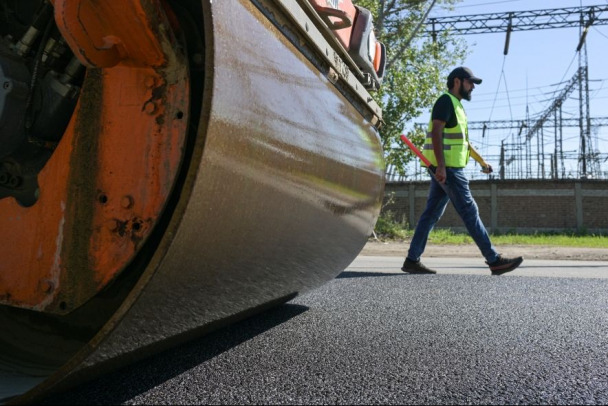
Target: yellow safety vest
{"x":455,"y":140}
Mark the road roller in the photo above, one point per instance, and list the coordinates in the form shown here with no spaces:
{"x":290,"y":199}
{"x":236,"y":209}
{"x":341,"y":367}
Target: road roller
{"x":168,"y":167}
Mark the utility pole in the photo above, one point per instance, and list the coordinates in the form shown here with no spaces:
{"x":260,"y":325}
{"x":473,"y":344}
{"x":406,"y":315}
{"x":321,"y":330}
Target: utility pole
{"x":583,"y":154}
{"x":502,"y":159}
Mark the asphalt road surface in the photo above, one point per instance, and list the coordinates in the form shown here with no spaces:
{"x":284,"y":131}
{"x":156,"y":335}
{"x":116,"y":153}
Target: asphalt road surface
{"x":377,"y":336}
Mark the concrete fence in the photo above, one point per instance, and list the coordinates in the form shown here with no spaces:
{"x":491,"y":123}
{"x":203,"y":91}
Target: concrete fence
{"x":522,"y":206}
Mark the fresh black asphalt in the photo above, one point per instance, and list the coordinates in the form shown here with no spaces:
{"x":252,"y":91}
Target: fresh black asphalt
{"x":391,"y":338}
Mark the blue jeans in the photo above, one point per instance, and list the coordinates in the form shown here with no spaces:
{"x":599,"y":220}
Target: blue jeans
{"x":457,"y":191}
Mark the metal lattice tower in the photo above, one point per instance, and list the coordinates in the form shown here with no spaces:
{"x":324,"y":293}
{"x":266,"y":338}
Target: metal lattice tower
{"x":582,"y":17}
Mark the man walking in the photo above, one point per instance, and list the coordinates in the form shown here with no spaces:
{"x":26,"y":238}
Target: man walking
{"x":447,"y":148}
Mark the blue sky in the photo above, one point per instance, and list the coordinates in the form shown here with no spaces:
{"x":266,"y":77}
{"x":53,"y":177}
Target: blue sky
{"x":524,"y":82}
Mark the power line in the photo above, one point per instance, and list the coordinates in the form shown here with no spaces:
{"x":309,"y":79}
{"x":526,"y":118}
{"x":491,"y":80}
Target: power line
{"x":548,"y":125}
{"x":519,"y":20}
{"x":488,"y":3}
{"x":582,"y":17}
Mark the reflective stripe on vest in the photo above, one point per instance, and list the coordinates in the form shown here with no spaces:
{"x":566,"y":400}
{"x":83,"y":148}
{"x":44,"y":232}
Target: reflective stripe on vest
{"x":455,"y":140}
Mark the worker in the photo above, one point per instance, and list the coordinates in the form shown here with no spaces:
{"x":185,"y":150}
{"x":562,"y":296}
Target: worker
{"x":447,"y":148}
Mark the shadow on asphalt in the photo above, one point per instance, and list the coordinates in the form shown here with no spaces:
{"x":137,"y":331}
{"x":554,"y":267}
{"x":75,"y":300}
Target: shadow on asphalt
{"x":131,"y":381}
{"x":349,"y":274}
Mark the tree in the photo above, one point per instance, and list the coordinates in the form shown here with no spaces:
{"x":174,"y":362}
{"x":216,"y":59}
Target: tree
{"x":416,"y":70}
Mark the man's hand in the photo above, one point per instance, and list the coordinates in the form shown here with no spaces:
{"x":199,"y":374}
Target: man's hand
{"x":437,"y":137}
{"x":440,"y":174}
{"x":487,"y":169}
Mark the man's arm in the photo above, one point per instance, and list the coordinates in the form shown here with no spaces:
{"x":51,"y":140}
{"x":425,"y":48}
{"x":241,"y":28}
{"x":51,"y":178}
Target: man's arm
{"x":437,"y":137}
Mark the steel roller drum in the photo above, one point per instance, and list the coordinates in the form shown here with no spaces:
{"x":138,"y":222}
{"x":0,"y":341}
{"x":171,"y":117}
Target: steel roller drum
{"x":276,"y":193}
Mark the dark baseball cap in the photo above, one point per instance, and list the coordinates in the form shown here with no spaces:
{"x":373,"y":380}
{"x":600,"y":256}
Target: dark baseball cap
{"x":462,"y":72}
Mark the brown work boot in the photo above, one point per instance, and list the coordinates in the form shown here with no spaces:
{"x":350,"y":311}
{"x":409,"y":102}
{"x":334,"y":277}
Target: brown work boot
{"x":504,"y":265}
{"x":416,"y":267}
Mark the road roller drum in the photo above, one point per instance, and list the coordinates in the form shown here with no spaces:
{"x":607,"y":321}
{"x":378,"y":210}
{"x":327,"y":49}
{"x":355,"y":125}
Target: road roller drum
{"x":167,"y":168}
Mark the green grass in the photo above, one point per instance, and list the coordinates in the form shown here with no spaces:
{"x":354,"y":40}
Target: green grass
{"x":554,"y":239}
{"x":387,"y":228}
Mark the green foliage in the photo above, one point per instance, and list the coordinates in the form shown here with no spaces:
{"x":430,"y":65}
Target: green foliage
{"x":416,"y":70}
{"x":388,"y":228}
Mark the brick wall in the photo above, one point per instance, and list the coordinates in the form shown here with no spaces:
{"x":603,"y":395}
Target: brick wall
{"x":523,"y":206}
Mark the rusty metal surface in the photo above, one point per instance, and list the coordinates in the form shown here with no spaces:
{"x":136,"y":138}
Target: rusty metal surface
{"x":85,"y":26}
{"x":284,"y":188}
{"x":105,"y":186}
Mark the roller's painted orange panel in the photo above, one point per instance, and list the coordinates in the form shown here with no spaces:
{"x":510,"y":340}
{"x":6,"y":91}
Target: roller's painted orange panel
{"x":104,"y":33}
{"x":106,"y":184}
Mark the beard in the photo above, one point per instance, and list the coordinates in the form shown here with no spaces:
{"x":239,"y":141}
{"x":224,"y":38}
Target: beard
{"x":464,"y":94}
